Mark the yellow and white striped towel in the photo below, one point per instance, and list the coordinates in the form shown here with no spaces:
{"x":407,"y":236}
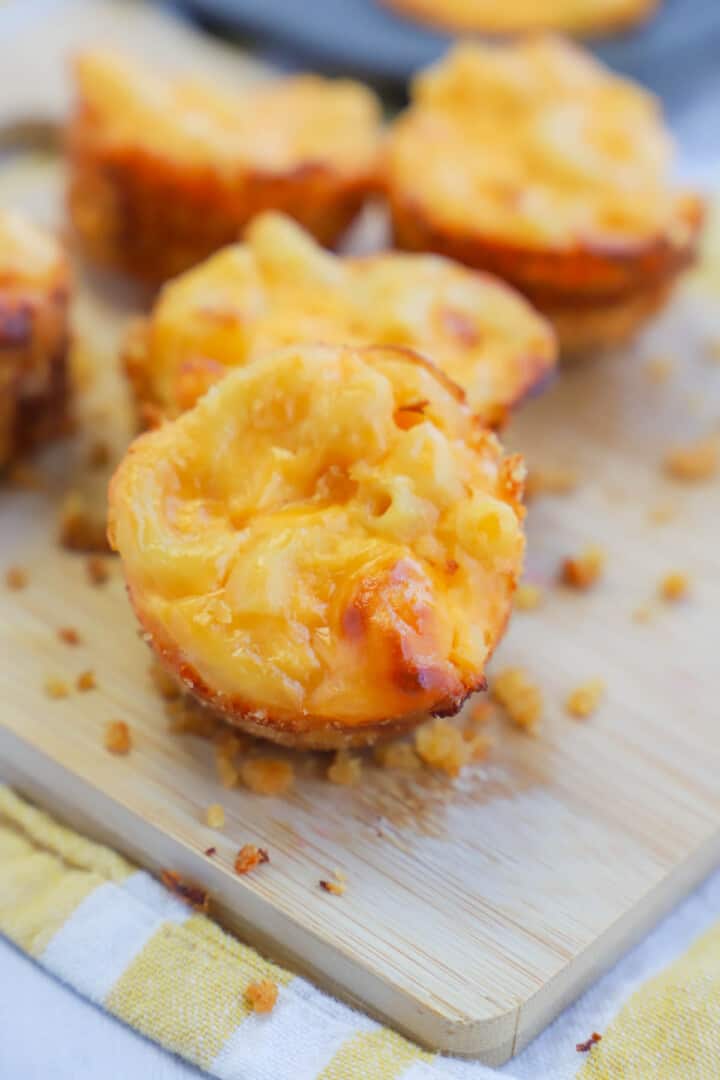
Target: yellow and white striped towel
{"x":122,"y":941}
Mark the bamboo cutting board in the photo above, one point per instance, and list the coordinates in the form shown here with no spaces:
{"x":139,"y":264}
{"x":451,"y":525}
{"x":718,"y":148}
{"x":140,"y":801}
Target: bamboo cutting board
{"x":475,"y":909}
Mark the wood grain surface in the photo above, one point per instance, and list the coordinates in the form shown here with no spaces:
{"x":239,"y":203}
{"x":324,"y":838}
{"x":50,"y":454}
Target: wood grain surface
{"x":475,"y":909}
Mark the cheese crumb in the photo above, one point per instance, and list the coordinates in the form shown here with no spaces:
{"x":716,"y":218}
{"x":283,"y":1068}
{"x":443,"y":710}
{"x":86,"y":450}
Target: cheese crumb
{"x":442,"y":746}
{"x":86,"y":680}
{"x":215,"y":816}
{"x":248,"y":857}
{"x":693,"y":462}
{"x":397,"y":755}
{"x":261,"y":996}
{"x":267,"y":776}
{"x":520,"y":698}
{"x":584,"y":570}
{"x":16,"y":577}
{"x":56,"y":688}
{"x":118,"y":739}
{"x":584,"y":699}
{"x":674,"y":586}
{"x":346,"y":769}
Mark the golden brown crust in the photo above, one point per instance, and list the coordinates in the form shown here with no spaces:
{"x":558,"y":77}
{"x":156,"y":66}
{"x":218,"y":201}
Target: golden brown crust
{"x":34,"y":385}
{"x":153,"y":213}
{"x":572,"y":204}
{"x":356,"y":579}
{"x":490,"y":17}
{"x":280,"y":286}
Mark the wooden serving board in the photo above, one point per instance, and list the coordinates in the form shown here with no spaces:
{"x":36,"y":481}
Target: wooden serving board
{"x":475,"y":909}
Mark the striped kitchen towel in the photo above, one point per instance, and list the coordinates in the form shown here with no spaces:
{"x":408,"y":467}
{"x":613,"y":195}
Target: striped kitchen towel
{"x":120,"y":939}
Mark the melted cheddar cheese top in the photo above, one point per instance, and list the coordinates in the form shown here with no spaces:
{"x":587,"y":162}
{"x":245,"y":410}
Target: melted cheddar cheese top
{"x":269,"y":127}
{"x":280,"y":287}
{"x":327,"y":537}
{"x":535,"y":144}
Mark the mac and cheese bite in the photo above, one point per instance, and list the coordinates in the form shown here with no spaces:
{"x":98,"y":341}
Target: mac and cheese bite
{"x":34,"y":295}
{"x":325,"y":548}
{"x":550,"y":172}
{"x":165,"y":171}
{"x":280,"y":287}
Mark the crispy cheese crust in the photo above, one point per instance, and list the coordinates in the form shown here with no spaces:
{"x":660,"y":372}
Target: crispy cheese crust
{"x":547,"y":171}
{"x":280,"y":287}
{"x":325,"y":547}
{"x":34,"y":292}
{"x":163,"y":172}
{"x":520,"y":16}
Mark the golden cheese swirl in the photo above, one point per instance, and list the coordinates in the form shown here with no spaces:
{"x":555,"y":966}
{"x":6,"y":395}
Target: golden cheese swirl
{"x":280,"y":287}
{"x":538,"y":145}
{"x":326,"y":546}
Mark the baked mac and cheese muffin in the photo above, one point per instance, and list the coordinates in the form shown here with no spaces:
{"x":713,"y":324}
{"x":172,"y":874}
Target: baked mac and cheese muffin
{"x":325,"y":547}
{"x":165,"y":171}
{"x":550,"y":172}
{"x":34,"y":294}
{"x":520,"y":16}
{"x":280,"y":287}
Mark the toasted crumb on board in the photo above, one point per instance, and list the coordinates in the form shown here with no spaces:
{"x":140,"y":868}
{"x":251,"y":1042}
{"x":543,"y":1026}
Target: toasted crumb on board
{"x":97,"y":570}
{"x":584,"y":570}
{"x":583,"y":1047}
{"x":56,"y":688}
{"x":261,"y":996}
{"x":520,"y":697}
{"x":118,"y":739}
{"x":346,"y":769}
{"x":443,"y":746}
{"x":215,"y":816}
{"x":693,"y":462}
{"x":398,"y":755}
{"x":674,"y":586}
{"x":16,"y":577}
{"x":86,"y":680}
{"x":335,"y":888}
{"x":194,"y":895}
{"x":267,"y":776}
{"x":248,"y":857}
{"x":69,"y":635}
{"x":585,"y":699}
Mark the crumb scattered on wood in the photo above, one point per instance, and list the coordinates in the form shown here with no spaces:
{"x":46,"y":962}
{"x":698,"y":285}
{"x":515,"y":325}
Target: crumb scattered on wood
{"x":397,"y":755}
{"x":194,"y":895}
{"x":520,"y":697}
{"x":442,"y":745}
{"x":335,"y":888}
{"x":16,"y":577}
{"x":56,"y":688}
{"x":186,"y":717}
{"x":69,"y":635}
{"x":86,"y":680}
{"x":97,"y":570}
{"x":585,"y":699}
{"x":693,"y":462}
{"x":550,"y":481}
{"x":584,"y":570}
{"x":80,"y":529}
{"x":228,"y":744}
{"x":261,"y":996}
{"x":674,"y":586}
{"x":215,"y":816}
{"x":267,"y":776}
{"x":248,"y":857}
{"x":118,"y":739}
{"x":583,"y":1047}
{"x":346,"y":769}
{"x":210,"y":851}
{"x":528,"y":597}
